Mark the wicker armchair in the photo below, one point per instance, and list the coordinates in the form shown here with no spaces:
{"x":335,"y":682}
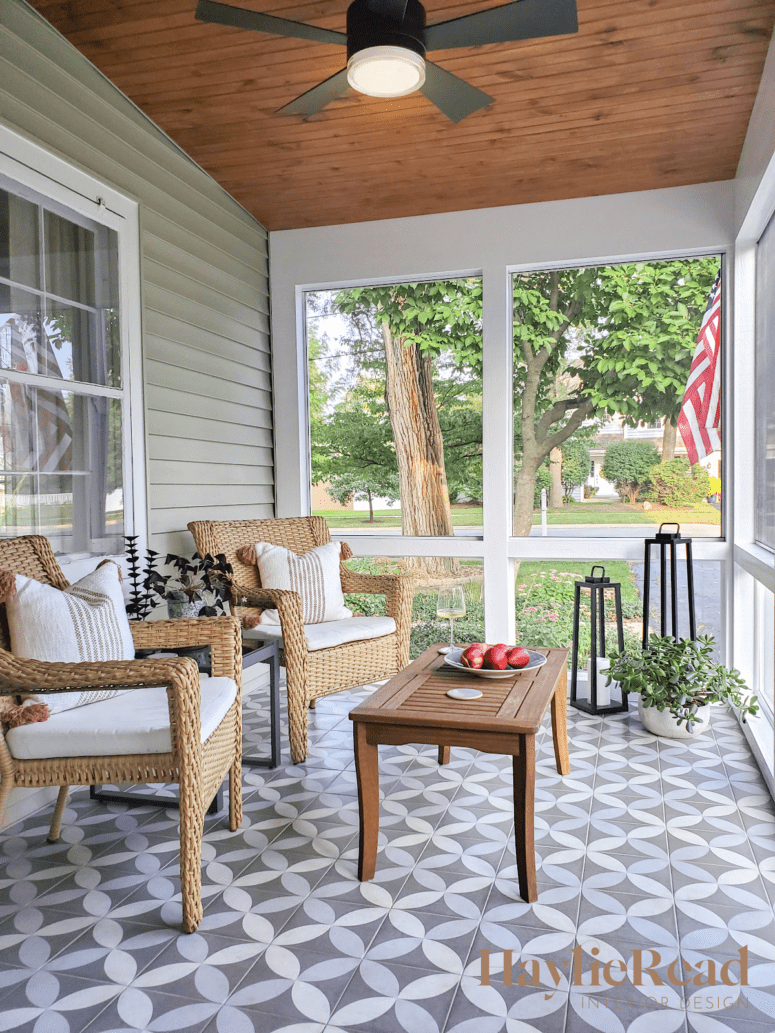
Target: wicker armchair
{"x":197,"y":767}
{"x":318,"y":672}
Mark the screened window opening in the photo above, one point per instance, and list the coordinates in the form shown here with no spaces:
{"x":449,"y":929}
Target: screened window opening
{"x":395,"y":396}
{"x":617,"y":398}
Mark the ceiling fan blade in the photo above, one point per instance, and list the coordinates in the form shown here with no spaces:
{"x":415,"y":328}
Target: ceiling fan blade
{"x":313,"y":101}
{"x":395,"y":9}
{"x":525,"y":19}
{"x":241,"y":18}
{"x":454,"y":97}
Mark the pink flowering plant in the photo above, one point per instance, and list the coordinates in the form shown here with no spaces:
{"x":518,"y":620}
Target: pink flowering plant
{"x":545,"y":606}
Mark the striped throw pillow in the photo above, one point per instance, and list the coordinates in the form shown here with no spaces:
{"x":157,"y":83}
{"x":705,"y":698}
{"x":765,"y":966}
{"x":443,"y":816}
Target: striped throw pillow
{"x":314,"y":575}
{"x":86,"y":621}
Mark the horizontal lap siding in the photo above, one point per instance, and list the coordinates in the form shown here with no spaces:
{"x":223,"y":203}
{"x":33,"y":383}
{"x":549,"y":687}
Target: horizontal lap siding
{"x":205,"y":283}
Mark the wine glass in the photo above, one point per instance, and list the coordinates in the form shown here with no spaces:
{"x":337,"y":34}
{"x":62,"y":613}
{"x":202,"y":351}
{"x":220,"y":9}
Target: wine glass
{"x":450,"y":604}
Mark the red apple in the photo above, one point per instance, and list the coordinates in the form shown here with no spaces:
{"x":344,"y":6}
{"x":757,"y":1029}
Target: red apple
{"x":495,"y":659}
{"x":475,"y":661}
{"x":518,"y":657}
{"x":473,"y":656}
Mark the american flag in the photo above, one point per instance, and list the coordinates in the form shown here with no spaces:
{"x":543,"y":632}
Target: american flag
{"x":700,"y":418}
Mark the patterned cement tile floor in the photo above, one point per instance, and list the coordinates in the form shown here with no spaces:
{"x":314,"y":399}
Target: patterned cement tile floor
{"x":656,"y":862}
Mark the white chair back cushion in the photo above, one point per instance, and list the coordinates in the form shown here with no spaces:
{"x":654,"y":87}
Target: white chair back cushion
{"x":332,"y":633}
{"x":135,"y":722}
{"x":86,"y":621}
{"x":315,"y":575}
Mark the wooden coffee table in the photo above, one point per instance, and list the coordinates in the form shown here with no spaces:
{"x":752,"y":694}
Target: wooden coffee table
{"x":413,"y":708}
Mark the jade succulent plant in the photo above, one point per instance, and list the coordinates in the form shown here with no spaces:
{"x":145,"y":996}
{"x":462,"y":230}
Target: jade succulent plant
{"x":680,"y":676}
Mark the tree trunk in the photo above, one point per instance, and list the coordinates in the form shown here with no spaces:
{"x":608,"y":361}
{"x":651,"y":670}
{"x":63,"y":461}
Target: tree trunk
{"x":425,"y":506}
{"x":523,"y":498}
{"x":555,"y":469}
{"x":668,"y":441}
{"x":371,"y":508}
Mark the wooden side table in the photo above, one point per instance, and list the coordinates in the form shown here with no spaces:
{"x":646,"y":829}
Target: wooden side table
{"x":413,"y":707}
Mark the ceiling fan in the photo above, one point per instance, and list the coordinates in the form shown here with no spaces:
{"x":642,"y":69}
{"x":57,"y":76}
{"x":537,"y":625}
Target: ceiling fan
{"x":387,"y":41}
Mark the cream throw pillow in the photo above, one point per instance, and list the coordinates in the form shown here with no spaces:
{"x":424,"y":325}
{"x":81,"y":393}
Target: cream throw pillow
{"x":314,"y":575}
{"x":86,"y":621}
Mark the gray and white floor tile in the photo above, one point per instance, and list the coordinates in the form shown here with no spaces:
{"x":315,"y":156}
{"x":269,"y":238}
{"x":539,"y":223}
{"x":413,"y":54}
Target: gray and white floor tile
{"x":655,"y":914}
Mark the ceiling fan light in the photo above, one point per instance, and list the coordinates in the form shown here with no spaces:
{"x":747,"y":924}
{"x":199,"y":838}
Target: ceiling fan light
{"x":386,"y":71}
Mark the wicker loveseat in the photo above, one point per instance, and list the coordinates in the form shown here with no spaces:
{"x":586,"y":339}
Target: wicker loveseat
{"x":313,"y":667}
{"x":190,"y":734}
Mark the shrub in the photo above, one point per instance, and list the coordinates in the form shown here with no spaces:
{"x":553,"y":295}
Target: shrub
{"x":678,"y":484}
{"x":543,"y":482}
{"x":627,"y":464}
{"x":575,"y":464}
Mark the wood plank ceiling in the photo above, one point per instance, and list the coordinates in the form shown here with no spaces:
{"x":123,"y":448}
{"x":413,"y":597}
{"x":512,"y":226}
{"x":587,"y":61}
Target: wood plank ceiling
{"x":648,"y":94}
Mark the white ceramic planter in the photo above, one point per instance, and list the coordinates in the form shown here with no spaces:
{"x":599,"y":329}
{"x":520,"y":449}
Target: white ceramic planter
{"x":663,"y":723}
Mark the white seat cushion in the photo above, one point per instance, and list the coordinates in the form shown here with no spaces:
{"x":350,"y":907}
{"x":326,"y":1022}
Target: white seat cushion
{"x":331,"y":633}
{"x":137,"y":721}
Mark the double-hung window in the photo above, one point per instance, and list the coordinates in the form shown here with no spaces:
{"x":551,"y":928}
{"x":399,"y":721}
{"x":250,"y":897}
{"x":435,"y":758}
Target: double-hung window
{"x":63,"y":396}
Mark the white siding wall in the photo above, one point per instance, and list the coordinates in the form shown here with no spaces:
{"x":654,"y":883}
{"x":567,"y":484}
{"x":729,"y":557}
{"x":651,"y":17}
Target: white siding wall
{"x":204,"y":277}
{"x":208,"y":395}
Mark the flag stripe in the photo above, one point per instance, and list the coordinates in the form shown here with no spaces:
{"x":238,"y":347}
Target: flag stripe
{"x":700,"y":418}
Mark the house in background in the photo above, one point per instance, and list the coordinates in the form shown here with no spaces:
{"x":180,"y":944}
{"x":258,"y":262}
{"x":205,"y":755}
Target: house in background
{"x":615,"y":430}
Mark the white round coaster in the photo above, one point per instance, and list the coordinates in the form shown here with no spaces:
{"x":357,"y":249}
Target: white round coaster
{"x":464,"y":693}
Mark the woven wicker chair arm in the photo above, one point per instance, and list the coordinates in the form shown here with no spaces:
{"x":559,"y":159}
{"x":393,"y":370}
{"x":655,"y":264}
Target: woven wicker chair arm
{"x":287,"y":603}
{"x":221,"y":634}
{"x":395,"y":587}
{"x":21,"y":675}
{"x":184,"y":631}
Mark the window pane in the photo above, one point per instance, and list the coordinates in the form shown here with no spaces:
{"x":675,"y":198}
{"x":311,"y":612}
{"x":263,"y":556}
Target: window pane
{"x":61,"y":455}
{"x":19,"y":241}
{"x":69,"y":259}
{"x":602,"y":360}
{"x":37,"y":429}
{"x":396,"y":406}
{"x":21,"y":328}
{"x":765,"y":378}
{"x":71,"y":335}
{"x":765,"y":648}
{"x":53,"y":339}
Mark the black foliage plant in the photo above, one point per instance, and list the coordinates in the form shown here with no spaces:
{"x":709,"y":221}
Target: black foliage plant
{"x":143,"y":595}
{"x":201,"y":577}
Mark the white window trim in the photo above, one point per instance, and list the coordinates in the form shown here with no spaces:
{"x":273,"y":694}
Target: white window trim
{"x":752,"y":562}
{"x":38,"y":169}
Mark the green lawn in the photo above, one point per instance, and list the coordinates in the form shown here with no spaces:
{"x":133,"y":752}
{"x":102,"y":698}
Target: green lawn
{"x":544,"y":602}
{"x":574,"y":514}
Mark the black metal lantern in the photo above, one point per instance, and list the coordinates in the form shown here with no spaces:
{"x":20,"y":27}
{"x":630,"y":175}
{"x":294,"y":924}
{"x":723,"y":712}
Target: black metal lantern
{"x":665,"y":540}
{"x":596,"y":585}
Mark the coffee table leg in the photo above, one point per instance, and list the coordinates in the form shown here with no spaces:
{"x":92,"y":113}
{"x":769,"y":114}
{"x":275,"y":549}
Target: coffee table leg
{"x":559,"y":724}
{"x":443,"y":754}
{"x":367,"y":773}
{"x":524,"y":770}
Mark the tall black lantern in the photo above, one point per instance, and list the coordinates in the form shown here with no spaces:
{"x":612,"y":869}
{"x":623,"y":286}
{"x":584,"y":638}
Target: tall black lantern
{"x":668,"y":540}
{"x":596,"y":585}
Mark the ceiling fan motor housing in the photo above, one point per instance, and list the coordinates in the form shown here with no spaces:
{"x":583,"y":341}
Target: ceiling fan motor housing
{"x":367,"y":27}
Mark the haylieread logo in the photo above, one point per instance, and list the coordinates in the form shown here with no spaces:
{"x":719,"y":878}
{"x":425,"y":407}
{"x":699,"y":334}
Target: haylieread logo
{"x":691,"y":978}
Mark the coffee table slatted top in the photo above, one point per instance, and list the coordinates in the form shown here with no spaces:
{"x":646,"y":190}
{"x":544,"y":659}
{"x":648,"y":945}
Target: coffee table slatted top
{"x":507,"y":704}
